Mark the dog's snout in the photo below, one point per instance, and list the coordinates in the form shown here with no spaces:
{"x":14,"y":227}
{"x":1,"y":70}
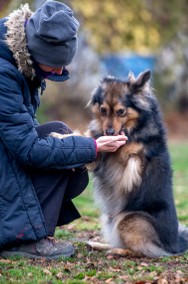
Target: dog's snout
{"x":110,"y":131}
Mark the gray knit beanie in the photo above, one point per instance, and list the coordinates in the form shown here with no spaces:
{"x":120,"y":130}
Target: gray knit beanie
{"x":51,"y":34}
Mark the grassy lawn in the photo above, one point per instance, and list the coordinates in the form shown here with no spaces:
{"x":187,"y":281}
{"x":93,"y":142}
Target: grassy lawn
{"x":179,"y":154}
{"x":95,"y":267}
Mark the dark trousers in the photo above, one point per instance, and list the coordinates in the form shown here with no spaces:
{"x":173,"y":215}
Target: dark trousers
{"x":56,"y":188}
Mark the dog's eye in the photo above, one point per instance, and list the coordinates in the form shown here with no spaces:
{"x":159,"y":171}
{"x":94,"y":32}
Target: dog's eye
{"x":103,"y":111}
{"x":120,"y":112}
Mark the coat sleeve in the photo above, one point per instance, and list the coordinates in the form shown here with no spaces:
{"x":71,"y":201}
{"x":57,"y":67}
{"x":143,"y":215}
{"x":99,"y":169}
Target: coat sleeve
{"x":20,"y":138}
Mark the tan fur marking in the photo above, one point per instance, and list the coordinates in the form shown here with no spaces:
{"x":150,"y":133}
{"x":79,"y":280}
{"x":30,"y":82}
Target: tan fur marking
{"x":132,"y":116}
{"x":139,"y":236}
{"x":127,"y":151}
{"x":95,"y":110}
{"x":131,"y":148}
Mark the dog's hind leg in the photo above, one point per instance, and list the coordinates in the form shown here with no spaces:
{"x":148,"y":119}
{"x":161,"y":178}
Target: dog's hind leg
{"x":108,"y":248}
{"x":120,"y":252}
{"x":98,"y":246}
{"x":139,"y":235}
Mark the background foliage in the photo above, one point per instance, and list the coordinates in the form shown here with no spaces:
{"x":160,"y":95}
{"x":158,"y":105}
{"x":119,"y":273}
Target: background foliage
{"x":107,"y":27}
{"x":131,"y":25}
{"x":141,"y":26}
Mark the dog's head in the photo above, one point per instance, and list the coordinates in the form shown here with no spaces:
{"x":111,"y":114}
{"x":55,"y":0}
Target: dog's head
{"x":116,"y":105}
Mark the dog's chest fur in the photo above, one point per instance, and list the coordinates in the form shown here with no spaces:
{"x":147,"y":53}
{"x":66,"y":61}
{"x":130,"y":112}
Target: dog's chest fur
{"x":117,"y":176}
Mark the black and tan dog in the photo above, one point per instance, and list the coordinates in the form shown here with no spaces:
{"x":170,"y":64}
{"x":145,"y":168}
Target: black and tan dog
{"x":133,"y":186}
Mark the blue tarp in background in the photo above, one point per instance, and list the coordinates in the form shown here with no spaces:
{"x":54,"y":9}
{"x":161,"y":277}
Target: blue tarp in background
{"x":119,"y":65}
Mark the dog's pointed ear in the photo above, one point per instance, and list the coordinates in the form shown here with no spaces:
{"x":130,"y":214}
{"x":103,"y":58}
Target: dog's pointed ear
{"x":140,"y":81}
{"x":143,"y":78}
{"x":96,"y":97}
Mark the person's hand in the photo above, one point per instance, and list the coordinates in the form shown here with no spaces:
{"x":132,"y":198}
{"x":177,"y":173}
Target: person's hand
{"x":110,"y":143}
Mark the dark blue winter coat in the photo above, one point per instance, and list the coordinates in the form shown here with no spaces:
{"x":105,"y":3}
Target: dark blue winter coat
{"x":20,"y":213}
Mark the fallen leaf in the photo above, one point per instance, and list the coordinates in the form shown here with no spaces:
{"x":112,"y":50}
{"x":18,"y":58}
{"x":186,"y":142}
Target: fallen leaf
{"x":59,"y":275}
{"x":6,"y":260}
{"x":109,"y":281}
{"x":47,"y":272}
{"x":162,"y":281}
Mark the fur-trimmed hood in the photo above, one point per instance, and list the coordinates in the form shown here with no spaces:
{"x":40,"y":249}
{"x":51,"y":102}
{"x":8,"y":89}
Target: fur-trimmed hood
{"x":16,"y":39}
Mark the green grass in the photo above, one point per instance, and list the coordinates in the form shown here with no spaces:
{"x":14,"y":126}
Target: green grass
{"x":89,"y":266}
{"x":179,"y":156}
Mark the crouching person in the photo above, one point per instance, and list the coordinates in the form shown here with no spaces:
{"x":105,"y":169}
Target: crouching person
{"x":37,"y":181}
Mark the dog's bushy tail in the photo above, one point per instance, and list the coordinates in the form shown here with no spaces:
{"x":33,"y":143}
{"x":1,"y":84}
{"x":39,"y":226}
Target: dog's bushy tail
{"x":183,"y":238}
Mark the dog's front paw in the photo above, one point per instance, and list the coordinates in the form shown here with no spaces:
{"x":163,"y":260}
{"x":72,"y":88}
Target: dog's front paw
{"x":57,"y":135}
{"x":62,"y":136}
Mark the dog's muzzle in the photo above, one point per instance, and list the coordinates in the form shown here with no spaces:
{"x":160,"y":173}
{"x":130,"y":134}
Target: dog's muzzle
{"x":110,"y":132}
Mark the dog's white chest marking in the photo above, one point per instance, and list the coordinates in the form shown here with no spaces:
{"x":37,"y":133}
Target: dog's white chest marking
{"x":115,"y":182}
{"x":132,"y":174}
{"x":123,"y":179}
